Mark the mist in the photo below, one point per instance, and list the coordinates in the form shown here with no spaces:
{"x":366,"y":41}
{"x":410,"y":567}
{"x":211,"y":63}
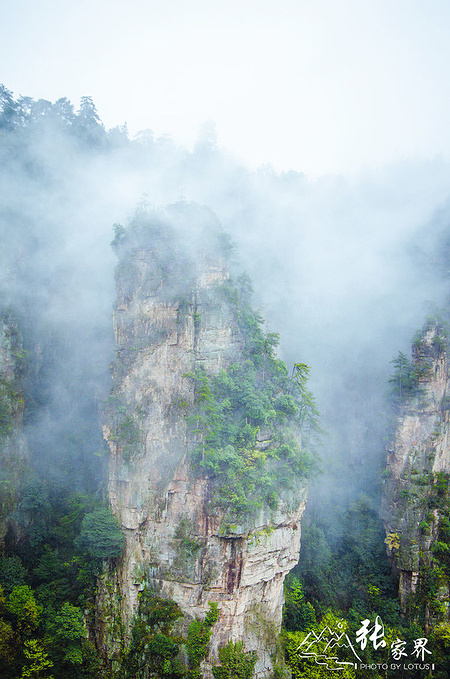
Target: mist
{"x":345,"y":270}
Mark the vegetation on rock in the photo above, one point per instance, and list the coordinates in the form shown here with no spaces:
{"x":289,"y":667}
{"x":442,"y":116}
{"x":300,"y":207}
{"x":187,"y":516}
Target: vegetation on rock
{"x":235,"y":663}
{"x":255,"y":423}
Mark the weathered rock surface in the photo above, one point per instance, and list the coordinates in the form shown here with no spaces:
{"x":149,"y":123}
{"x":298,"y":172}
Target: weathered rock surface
{"x":175,"y":539}
{"x":419,"y":451}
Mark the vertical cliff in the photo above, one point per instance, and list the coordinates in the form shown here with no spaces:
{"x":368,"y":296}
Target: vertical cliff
{"x":207,"y":474}
{"x":415,"y":505}
{"x":13,"y":450}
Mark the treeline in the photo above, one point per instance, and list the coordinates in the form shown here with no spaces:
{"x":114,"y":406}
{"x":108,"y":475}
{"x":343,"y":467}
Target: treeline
{"x":83,"y":124}
{"x":54,"y":548}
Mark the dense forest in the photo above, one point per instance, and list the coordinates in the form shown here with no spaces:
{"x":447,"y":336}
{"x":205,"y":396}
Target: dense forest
{"x":66,"y":181}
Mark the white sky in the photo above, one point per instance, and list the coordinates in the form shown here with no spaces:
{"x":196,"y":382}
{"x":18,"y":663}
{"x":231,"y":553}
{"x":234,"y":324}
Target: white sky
{"x":312,"y":85}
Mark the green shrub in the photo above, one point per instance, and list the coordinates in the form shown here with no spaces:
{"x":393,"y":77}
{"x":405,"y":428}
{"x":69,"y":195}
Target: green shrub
{"x":153,"y":645}
{"x":100,"y":536}
{"x":197,"y":643}
{"x":254,"y":395}
{"x":235,"y":662}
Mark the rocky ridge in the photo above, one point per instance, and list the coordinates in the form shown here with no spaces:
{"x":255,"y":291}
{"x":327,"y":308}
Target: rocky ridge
{"x":415,"y":488}
{"x":176,"y":540}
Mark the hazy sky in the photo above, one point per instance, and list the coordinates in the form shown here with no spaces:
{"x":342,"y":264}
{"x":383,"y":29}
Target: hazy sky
{"x":312,"y":85}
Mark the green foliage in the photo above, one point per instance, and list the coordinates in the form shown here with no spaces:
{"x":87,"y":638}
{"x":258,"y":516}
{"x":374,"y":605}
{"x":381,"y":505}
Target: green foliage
{"x":69,"y":631}
{"x":435,"y":567}
{"x":12,"y":572}
{"x":235,"y":663}
{"x":7,"y":649}
{"x":341,"y":572}
{"x":405,"y":378}
{"x":408,"y":375}
{"x":298,"y":614}
{"x":158,"y":614}
{"x":347,"y":578}
{"x":10,"y":404}
{"x":392,"y":540}
{"x":153,"y":646}
{"x":308,"y":413}
{"x":11,"y":385}
{"x":100,"y":535}
{"x":22,"y":606}
{"x":426,"y":602}
{"x":255,"y":399}
{"x":301,"y":667}
{"x":38,"y":664}
{"x":440,"y":642}
{"x":197,"y":642}
{"x":49,"y":577}
{"x":438,"y":498}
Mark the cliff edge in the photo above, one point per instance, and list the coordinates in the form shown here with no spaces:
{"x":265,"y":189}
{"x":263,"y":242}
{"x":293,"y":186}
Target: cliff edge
{"x":415,"y":506}
{"x":208,"y":471}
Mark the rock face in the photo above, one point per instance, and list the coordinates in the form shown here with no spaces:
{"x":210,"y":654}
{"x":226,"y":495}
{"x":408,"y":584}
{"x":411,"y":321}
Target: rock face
{"x":175,"y":539}
{"x":13,"y":449}
{"x":418,"y":463}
